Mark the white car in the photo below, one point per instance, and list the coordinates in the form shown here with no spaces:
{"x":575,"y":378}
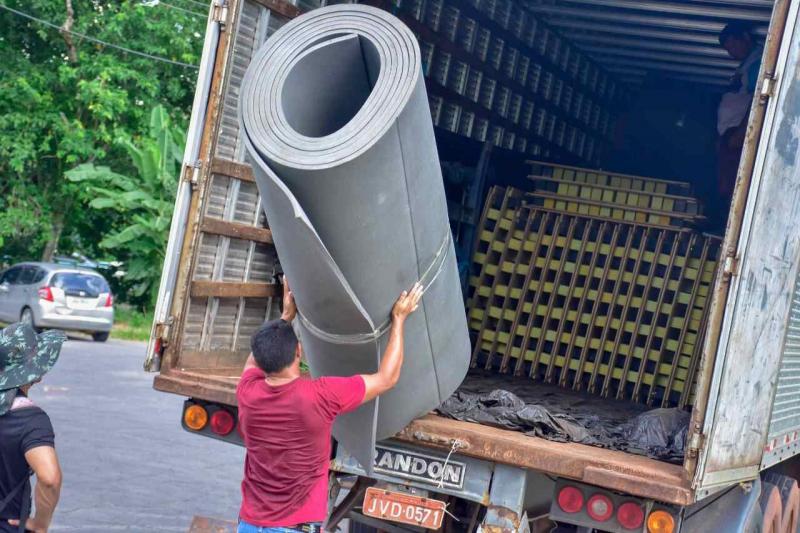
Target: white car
{"x":49,"y":295}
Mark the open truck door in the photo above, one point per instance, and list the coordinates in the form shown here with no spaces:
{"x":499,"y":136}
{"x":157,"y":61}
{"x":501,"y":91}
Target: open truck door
{"x":755,"y":362}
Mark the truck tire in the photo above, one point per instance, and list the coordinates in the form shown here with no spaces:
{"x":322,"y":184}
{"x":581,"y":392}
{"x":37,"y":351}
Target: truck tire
{"x":100,"y":336}
{"x":771,"y":509}
{"x":790,"y":500}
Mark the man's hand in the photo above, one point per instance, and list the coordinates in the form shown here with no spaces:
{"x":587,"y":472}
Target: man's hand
{"x":388,"y":373}
{"x":289,"y":306}
{"x":33,"y":524}
{"x":407,"y":303}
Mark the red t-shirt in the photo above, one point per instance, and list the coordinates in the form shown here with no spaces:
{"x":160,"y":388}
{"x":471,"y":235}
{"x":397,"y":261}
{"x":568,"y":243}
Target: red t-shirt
{"x":287,"y":432}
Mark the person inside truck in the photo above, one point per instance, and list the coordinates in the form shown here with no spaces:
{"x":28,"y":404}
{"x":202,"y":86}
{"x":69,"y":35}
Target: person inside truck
{"x":26,"y":434}
{"x":733,"y":111}
{"x":286,"y":420}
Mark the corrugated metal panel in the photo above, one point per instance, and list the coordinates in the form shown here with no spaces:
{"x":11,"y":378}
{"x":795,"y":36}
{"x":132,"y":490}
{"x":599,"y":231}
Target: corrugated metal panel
{"x":217,"y":330}
{"x":786,"y":409}
{"x":671,"y":39}
{"x":251,"y":32}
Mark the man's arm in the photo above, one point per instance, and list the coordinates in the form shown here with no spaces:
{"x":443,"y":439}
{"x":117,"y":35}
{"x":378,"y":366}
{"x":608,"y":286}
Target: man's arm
{"x":44,"y":463}
{"x":288,"y":314}
{"x":392,"y":361}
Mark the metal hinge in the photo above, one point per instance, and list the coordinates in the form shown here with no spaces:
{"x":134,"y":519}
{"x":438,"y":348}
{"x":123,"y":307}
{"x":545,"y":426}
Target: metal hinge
{"x":696,"y":442}
{"x":768,"y":87}
{"x":220,"y":12}
{"x":730,"y":267}
{"x":191,"y":172}
{"x":163,"y":331}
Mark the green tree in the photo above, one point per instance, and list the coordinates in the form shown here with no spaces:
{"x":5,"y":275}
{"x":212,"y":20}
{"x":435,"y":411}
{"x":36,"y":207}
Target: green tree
{"x":66,"y":101}
{"x":144,"y":199}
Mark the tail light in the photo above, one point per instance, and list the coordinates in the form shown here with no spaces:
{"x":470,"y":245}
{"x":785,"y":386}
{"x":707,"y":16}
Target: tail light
{"x":222,"y":422}
{"x":660,"y":522}
{"x":570,"y":499}
{"x":195,"y":417}
{"x":630,"y":515}
{"x":46,"y":294}
{"x":600,"y":507}
{"x":109,"y":300}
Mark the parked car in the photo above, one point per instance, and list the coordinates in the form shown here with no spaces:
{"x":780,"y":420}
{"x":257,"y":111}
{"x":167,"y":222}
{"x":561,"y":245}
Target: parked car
{"x":50,"y":295}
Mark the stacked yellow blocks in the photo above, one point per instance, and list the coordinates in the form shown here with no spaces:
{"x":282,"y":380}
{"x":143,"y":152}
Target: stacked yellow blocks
{"x":615,"y":307}
{"x":615,"y":196}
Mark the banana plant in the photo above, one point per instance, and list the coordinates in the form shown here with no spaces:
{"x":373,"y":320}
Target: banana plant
{"x":144,"y":199}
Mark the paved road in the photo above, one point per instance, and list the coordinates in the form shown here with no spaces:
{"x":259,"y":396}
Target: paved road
{"x":128,"y":465}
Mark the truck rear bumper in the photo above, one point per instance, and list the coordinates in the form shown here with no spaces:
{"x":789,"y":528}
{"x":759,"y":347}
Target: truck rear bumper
{"x":614,"y":470}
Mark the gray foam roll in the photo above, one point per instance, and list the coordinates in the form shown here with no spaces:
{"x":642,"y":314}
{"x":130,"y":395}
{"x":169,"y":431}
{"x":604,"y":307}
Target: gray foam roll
{"x":337,"y":126}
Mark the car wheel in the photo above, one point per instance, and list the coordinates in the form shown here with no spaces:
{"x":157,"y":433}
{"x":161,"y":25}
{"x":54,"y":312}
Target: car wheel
{"x":26,"y":317}
{"x":100,"y":336}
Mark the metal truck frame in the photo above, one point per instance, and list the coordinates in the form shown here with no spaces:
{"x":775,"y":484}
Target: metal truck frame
{"x":751,"y":353}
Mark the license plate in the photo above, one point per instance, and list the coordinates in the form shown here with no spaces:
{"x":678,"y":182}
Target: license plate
{"x":81,"y":303}
{"x":404,"y":508}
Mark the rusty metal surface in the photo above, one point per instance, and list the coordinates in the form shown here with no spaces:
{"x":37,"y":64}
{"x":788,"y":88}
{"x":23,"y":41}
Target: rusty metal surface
{"x":615,"y":470}
{"x":202,"y":524}
{"x":282,"y":7}
{"x":193,"y":385}
{"x":180,"y":300}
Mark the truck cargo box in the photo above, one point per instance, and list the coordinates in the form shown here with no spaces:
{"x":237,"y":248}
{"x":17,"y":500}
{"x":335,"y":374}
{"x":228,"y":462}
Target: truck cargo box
{"x":601,"y":264}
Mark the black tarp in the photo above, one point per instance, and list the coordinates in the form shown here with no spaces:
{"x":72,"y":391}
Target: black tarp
{"x":563,"y":415}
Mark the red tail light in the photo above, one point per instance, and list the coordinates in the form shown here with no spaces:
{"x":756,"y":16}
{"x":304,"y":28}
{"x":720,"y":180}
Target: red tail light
{"x":222,"y":422}
{"x":109,"y":300}
{"x":570,"y":499}
{"x":46,"y":294}
{"x":600,"y":507}
{"x":630,"y":515}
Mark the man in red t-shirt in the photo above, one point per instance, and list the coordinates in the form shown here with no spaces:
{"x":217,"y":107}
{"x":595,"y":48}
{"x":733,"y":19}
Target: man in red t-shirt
{"x":286,"y":421}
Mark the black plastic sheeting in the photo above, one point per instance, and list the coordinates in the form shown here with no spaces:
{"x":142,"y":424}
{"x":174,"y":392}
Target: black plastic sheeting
{"x":565,"y":416}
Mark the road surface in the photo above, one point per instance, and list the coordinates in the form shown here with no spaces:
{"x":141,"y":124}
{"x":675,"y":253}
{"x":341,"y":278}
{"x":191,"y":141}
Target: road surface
{"x":128,"y":465}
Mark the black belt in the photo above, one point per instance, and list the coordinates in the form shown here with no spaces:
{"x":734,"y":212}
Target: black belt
{"x":312,"y":527}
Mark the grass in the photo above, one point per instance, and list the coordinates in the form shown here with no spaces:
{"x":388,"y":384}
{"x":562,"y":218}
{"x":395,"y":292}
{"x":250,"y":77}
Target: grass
{"x":131,"y":324}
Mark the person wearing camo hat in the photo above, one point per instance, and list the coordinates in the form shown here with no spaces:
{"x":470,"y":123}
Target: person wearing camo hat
{"x":27,"y":440}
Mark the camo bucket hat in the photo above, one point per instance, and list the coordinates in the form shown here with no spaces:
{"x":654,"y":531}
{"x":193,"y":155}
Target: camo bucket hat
{"x":24,"y":358}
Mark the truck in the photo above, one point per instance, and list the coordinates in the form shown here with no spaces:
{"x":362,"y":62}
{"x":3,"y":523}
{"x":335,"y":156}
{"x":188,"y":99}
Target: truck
{"x":626,"y":85}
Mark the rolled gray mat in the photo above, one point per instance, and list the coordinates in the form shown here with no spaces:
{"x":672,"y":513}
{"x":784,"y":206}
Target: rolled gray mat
{"x":337,"y":127}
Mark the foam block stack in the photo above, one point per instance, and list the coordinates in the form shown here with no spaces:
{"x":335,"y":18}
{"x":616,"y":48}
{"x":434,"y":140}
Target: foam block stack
{"x":614,"y":196}
{"x":613,"y":307}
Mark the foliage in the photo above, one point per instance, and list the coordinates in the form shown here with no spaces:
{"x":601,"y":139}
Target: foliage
{"x":66,"y":102}
{"x":145,"y":199}
{"x":131,"y":323}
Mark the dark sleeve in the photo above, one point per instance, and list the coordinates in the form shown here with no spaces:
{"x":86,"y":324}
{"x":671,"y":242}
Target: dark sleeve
{"x":337,"y":395}
{"x":38,"y":432}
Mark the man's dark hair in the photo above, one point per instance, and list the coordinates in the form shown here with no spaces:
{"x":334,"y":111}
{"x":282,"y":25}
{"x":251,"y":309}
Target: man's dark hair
{"x":737,"y":28}
{"x":274,"y":346}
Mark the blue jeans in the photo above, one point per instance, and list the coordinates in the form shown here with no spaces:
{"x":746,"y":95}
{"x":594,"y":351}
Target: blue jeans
{"x":244,"y":527}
